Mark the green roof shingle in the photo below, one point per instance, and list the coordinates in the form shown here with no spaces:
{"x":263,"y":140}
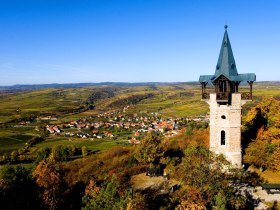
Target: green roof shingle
{"x":226,"y":65}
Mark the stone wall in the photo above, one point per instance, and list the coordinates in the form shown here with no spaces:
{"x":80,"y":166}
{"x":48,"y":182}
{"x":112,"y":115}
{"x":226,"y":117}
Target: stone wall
{"x":226,"y":118}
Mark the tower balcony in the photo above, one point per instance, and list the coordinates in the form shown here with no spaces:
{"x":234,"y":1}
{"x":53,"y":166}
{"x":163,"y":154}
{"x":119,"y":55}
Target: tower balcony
{"x":220,"y":97}
{"x":224,"y":96}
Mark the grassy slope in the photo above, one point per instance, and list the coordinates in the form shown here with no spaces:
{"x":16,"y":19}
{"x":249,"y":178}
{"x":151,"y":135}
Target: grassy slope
{"x":21,"y":104}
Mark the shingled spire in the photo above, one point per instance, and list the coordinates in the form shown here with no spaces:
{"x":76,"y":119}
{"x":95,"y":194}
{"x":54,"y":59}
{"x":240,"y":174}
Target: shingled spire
{"x":226,"y":66}
{"x":226,"y":63}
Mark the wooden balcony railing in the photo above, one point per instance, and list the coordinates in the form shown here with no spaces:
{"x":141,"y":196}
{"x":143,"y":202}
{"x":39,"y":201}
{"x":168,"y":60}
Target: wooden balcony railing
{"x":206,"y":96}
{"x":226,"y":96}
{"x":222,"y":96}
{"x":246,"y":96}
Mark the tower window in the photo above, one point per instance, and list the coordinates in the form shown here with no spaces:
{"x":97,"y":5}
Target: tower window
{"x":223,"y":138}
{"x":223,"y":117}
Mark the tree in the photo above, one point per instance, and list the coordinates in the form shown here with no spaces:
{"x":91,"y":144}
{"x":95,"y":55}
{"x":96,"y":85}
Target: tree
{"x":12,"y":174}
{"x":108,"y":196}
{"x":58,"y":153}
{"x":84,"y":151}
{"x":15,"y":156}
{"x":50,"y":180}
{"x":43,"y":154}
{"x":262,"y":126}
{"x":203,"y":174}
{"x":150,"y":149}
{"x":17,"y":188}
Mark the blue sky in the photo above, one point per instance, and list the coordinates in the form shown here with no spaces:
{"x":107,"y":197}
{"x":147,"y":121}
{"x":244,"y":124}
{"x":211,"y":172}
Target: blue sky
{"x":70,"y":41}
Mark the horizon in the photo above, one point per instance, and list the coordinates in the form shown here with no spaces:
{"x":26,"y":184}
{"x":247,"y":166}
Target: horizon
{"x":68,"y":42}
{"x":83,"y":83}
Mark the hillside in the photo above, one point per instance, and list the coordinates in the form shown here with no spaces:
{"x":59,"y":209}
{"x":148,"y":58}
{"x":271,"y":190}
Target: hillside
{"x":69,"y":148}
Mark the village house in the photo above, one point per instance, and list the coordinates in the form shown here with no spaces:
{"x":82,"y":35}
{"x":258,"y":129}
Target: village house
{"x":133,"y":141}
{"x":53,"y":129}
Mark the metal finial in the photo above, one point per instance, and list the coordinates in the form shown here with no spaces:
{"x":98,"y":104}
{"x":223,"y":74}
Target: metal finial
{"x":226,"y":27}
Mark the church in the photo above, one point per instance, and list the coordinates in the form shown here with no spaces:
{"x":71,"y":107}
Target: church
{"x":225,"y":101}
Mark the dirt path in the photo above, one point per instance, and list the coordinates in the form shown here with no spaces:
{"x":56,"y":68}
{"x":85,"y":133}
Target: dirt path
{"x":141,"y":181}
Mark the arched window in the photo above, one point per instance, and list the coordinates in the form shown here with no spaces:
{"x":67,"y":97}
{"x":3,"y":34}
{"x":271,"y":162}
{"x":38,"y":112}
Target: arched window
{"x":223,"y":138}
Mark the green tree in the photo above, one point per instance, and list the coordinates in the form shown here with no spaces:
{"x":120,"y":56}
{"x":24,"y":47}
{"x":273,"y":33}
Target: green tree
{"x":43,"y":154}
{"x":17,"y":188}
{"x":59,"y":153}
{"x":12,"y":174}
{"x":108,"y":196}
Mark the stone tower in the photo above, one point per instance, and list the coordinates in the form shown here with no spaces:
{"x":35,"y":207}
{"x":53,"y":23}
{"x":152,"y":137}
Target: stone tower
{"x":226,"y":101}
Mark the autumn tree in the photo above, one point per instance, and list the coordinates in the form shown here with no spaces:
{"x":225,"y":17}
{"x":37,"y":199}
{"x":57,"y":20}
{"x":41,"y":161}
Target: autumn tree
{"x":262,"y":125}
{"x":257,"y":154}
{"x":49,"y":179}
{"x":275,"y":160}
{"x":206,"y":181}
{"x":150,"y":149}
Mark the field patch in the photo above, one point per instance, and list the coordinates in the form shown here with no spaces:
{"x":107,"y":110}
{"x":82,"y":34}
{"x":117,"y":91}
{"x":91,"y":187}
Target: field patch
{"x":12,"y":142}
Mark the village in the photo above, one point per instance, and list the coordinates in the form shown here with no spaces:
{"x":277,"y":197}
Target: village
{"x":115,"y":125}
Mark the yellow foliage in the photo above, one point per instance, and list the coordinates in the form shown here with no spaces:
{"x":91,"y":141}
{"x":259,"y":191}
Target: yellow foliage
{"x":49,"y":179}
{"x":275,"y":160}
{"x":263,"y":152}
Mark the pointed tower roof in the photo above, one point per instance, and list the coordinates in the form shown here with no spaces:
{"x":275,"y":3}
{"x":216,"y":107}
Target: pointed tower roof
{"x":226,"y":63}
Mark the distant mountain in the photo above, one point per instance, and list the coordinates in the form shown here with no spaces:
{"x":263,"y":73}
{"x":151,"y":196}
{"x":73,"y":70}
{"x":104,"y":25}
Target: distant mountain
{"x":22,"y":87}
{"x":79,"y":85}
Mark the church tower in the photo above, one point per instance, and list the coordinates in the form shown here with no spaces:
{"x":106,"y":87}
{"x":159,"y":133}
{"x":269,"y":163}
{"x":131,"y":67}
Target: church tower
{"x":225,"y":102}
